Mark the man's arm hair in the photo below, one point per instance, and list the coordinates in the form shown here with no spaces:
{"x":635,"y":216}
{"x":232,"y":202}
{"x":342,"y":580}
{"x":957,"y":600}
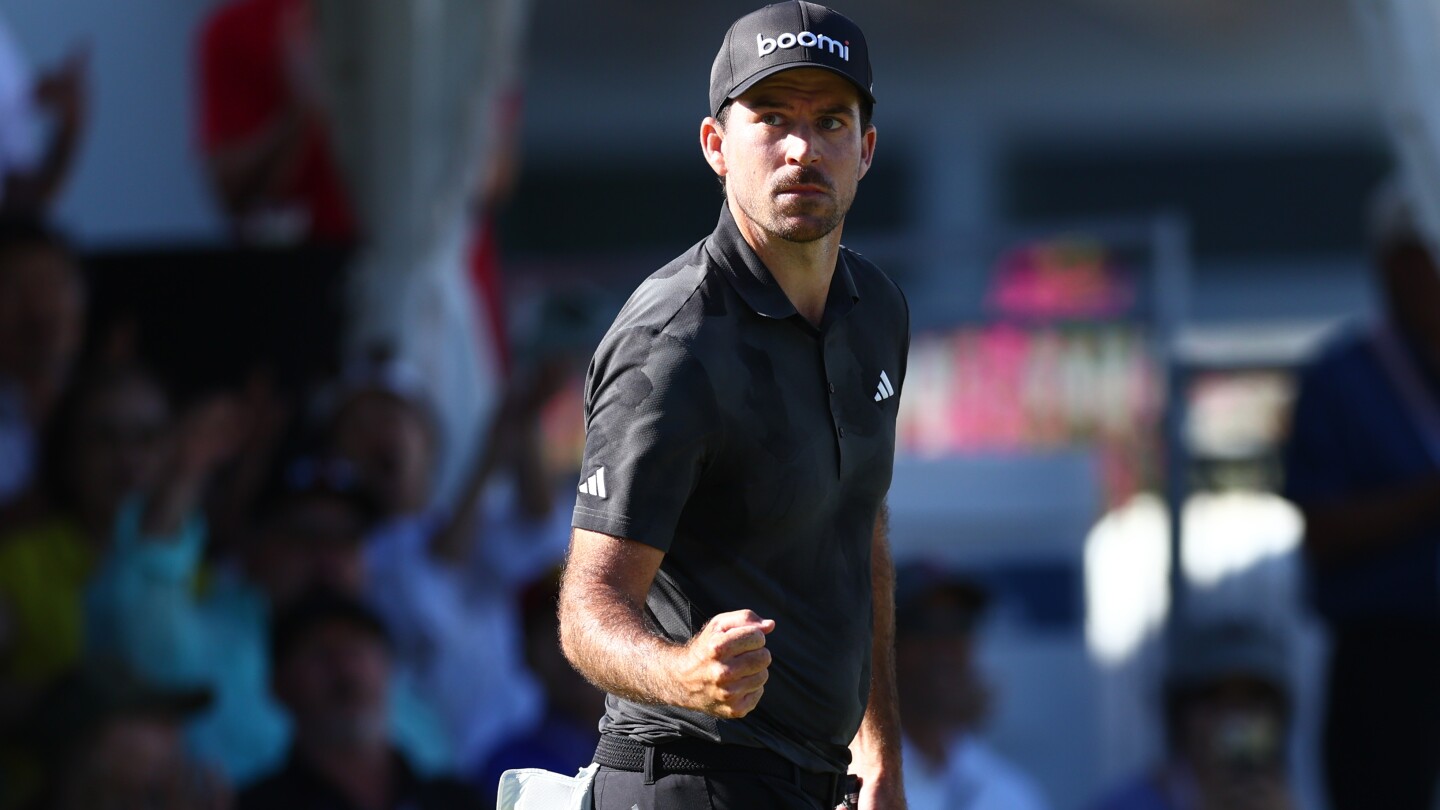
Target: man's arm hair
{"x":602,"y":617}
{"x":876,"y":748}
{"x":721,"y":670}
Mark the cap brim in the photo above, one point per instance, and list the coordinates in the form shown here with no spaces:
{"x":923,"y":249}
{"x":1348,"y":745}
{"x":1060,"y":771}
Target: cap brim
{"x":179,"y":703}
{"x":762,"y":75}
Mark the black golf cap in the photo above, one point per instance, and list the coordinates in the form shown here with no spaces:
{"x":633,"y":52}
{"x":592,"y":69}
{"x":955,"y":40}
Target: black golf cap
{"x":789,"y":35}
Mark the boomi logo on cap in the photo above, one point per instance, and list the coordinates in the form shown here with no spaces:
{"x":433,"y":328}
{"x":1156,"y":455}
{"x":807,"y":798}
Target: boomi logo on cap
{"x":804,"y":39}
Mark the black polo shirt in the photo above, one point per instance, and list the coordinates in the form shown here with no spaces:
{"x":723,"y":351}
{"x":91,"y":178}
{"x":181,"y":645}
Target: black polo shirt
{"x":754,"y":450}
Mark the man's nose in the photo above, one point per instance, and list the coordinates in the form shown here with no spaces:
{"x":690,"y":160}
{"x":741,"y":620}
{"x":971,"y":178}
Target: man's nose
{"x":801,"y":148}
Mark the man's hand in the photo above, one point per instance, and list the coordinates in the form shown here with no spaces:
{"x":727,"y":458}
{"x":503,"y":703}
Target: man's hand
{"x":64,"y":91}
{"x":207,"y":437}
{"x":725,"y":666}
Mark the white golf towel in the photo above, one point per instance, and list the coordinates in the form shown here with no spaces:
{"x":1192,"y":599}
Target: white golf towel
{"x":537,"y":789}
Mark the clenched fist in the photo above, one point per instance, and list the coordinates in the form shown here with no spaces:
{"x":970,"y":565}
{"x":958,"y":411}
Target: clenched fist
{"x":724,"y":667}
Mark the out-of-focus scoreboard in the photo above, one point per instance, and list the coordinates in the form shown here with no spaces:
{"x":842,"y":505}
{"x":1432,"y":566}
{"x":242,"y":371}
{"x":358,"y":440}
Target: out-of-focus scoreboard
{"x":1054,"y":350}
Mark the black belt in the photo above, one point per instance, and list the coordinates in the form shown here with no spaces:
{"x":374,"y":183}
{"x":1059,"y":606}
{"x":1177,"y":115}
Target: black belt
{"x":699,"y":756}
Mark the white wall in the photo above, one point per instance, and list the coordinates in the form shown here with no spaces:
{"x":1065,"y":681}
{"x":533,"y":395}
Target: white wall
{"x":137,"y":178}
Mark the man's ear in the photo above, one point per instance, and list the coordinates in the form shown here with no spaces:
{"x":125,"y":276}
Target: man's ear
{"x":867,"y":149}
{"x":712,"y":137}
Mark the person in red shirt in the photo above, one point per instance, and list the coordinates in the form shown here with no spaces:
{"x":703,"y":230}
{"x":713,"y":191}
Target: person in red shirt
{"x":264,"y":126}
{"x":265,"y":130}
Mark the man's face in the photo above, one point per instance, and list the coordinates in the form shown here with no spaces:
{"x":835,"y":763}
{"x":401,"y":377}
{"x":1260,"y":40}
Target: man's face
{"x":1236,"y":718}
{"x":792,"y":153}
{"x":334,"y":682}
{"x":42,"y":311}
{"x":132,"y":761}
{"x":314,"y":543}
{"x":936,"y":673}
{"x":388,"y":441}
{"x":117,"y":450}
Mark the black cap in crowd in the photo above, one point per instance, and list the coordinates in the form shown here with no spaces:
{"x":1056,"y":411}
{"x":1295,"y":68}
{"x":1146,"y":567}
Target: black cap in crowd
{"x":97,"y":691}
{"x":932,"y":599}
{"x":319,"y":608}
{"x":1200,"y":653}
{"x":789,"y":35}
{"x":296,"y":480}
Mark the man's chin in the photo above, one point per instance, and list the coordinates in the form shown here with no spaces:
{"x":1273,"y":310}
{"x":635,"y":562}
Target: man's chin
{"x":802,"y":230}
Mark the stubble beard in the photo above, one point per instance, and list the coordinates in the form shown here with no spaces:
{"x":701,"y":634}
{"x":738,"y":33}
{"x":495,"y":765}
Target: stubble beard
{"x":799,"y":221}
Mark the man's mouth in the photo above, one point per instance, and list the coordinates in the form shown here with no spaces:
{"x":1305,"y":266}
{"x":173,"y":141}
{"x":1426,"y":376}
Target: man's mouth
{"x":805,"y":184}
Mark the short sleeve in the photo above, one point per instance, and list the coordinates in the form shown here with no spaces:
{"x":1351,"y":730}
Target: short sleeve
{"x":650,"y":425}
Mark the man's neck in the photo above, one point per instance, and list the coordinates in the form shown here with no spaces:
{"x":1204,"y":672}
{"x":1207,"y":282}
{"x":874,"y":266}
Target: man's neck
{"x":365,"y":775}
{"x":802,"y":269}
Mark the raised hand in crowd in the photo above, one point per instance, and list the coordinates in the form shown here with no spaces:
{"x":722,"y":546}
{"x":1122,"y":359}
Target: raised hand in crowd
{"x":300,"y":63}
{"x":512,"y":441}
{"x":64,"y":95}
{"x":207,"y":436}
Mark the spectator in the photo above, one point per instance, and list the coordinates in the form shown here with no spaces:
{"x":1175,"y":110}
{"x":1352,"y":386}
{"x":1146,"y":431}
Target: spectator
{"x":446,"y":579}
{"x":1227,"y":714}
{"x":42,"y":318}
{"x":1363,"y":465}
{"x":943,"y":701}
{"x":116,"y":742}
{"x":104,"y":445}
{"x":332,"y":660}
{"x":32,"y":172}
{"x":565,"y":738}
{"x":264,"y":126}
{"x":311,"y":521}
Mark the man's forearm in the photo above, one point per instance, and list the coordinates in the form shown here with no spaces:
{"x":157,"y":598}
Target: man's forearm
{"x":605,"y":638}
{"x":720,"y":670}
{"x":875,"y":750}
{"x":603,"y":631}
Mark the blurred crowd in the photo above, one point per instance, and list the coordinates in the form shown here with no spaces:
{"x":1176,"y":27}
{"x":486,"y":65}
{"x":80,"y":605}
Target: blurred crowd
{"x":250,"y":595}
{"x":228,"y":591}
{"x":254,"y":597}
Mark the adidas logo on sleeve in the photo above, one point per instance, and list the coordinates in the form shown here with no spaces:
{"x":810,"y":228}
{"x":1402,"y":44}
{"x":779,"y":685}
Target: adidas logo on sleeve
{"x":594,"y":485}
{"x":885,"y":390}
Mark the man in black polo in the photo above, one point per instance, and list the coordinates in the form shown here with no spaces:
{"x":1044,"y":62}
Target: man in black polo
{"x":729,"y":582}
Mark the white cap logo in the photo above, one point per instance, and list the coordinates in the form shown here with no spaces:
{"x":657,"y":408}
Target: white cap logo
{"x":804,"y":39}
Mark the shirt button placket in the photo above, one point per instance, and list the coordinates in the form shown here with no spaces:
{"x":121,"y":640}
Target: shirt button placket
{"x":826,"y":345}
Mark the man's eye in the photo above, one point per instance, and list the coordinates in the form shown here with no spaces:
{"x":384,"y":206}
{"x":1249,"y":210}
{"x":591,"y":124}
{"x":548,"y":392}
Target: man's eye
{"x":770,"y":119}
{"x":831,"y":123}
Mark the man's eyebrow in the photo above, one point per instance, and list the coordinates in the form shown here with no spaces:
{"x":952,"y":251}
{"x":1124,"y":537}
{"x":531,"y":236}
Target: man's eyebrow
{"x":768,"y":102}
{"x":776,"y":103}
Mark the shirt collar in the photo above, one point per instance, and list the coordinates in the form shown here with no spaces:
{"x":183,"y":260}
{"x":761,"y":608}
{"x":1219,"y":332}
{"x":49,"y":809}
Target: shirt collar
{"x":754,"y":283}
